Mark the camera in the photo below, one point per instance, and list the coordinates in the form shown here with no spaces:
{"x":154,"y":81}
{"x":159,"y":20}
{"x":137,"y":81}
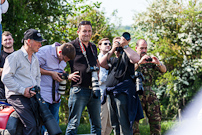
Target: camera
{"x":94,"y":79}
{"x":62,"y":84}
{"x":95,"y":85}
{"x":91,"y":69}
{"x":149,"y":59}
{"x":126,"y":35}
{"x":46,"y":116}
{"x":119,"y":49}
{"x":138,"y":78}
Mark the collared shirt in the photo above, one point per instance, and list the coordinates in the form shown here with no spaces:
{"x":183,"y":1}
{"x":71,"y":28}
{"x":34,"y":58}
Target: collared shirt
{"x":102,"y":76}
{"x":3,"y":9}
{"x":19,"y":73}
{"x":49,"y":60}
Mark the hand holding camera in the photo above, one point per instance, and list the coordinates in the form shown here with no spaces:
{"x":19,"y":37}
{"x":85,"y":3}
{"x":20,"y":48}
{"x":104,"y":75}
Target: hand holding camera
{"x":145,"y":59}
{"x":28,"y":93}
{"x":125,"y":39}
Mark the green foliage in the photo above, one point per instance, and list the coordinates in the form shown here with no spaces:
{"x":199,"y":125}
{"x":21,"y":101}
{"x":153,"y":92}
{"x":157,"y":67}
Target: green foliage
{"x":173,"y":33}
{"x":58,"y":21}
{"x":81,"y":11}
{"x":38,"y":14}
{"x":144,"y":128}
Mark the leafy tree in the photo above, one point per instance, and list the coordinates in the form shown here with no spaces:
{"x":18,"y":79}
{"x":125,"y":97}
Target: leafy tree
{"x":57,"y":20}
{"x":173,"y":32}
{"x":37,"y":14}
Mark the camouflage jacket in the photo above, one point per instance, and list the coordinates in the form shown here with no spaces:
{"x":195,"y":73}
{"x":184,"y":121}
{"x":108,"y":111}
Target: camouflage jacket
{"x":150,"y":72}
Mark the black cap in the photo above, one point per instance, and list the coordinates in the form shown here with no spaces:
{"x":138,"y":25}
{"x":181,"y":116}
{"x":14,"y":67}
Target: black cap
{"x":33,"y":34}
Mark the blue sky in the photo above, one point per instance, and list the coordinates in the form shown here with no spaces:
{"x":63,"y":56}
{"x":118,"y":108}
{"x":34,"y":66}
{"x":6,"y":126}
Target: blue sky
{"x":126,"y":8}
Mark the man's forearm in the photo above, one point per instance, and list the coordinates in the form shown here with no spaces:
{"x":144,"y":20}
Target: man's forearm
{"x":104,"y":59}
{"x":162,"y":67}
{"x":132,"y":55}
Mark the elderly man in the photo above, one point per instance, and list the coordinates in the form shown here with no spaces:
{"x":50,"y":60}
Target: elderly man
{"x":20,"y":73}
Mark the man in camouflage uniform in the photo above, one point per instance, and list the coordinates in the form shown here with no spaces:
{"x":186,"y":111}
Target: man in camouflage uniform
{"x":150,"y":67}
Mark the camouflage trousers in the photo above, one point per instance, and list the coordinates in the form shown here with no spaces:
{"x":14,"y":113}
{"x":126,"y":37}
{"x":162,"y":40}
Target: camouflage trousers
{"x":151,"y":106}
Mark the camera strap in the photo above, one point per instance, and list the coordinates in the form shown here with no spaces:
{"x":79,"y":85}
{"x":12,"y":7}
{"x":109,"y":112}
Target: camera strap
{"x":85,"y":55}
{"x":53,"y":90}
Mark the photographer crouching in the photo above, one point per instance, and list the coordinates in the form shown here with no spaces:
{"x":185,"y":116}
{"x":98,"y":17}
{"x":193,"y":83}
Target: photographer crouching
{"x":52,"y":62}
{"x":124,"y":102}
{"x":20,"y":73}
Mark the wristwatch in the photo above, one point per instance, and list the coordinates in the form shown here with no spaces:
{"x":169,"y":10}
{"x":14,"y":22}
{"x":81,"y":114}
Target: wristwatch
{"x":158,"y":65}
{"x":126,"y":46}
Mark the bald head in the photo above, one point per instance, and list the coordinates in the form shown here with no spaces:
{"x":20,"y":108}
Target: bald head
{"x":141,"y":47}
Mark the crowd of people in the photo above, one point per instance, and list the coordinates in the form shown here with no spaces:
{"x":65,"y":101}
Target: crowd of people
{"x":103,"y":83}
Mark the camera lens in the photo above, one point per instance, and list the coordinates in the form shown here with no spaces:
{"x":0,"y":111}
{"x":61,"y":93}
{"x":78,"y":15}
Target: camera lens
{"x":126,"y":35}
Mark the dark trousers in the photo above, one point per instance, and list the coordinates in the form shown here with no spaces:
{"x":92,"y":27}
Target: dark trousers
{"x":22,"y":105}
{"x":2,"y":94}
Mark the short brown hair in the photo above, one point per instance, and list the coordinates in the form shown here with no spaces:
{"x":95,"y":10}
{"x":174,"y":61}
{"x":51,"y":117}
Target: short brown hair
{"x":84,"y":23}
{"x":68,"y":50}
{"x":6,"y":33}
{"x":104,"y":39}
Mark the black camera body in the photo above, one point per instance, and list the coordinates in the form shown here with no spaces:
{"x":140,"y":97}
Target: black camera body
{"x":149,"y":59}
{"x":47,"y":118}
{"x":62,"y":84}
{"x":119,"y":49}
{"x":91,"y":69}
{"x":138,"y":78}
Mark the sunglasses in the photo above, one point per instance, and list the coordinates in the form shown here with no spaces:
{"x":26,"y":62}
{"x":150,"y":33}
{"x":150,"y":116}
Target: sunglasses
{"x":107,"y":43}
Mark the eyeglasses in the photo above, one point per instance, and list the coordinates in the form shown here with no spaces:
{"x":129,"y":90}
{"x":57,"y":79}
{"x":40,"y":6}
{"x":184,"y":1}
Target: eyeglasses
{"x":107,"y":43}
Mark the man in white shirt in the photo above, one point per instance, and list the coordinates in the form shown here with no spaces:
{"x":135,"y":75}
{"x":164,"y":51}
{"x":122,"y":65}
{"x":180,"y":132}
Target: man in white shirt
{"x":104,"y":46}
{"x":21,"y":72}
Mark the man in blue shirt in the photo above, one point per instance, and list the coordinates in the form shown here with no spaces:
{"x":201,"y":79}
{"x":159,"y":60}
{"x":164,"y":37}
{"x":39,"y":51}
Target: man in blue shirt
{"x":52,"y":62}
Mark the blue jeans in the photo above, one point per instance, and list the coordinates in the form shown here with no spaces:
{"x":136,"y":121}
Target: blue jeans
{"x":118,"y":110}
{"x":78,"y":99}
{"x":54,"y":109}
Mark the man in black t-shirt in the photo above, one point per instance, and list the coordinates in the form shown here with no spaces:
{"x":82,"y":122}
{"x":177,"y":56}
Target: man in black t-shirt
{"x":124,"y":104}
{"x":7,"y":43}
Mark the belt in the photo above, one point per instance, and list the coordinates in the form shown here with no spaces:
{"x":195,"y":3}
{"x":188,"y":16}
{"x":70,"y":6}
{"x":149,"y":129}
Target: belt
{"x":89,"y":87}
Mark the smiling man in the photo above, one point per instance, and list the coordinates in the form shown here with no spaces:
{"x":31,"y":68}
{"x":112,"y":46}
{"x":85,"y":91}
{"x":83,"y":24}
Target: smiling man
{"x":81,"y":92}
{"x":20,"y":73}
{"x":7,"y":42}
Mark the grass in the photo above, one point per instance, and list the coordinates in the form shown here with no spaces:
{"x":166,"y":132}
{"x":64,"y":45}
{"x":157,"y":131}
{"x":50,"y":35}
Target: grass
{"x":144,"y":128}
